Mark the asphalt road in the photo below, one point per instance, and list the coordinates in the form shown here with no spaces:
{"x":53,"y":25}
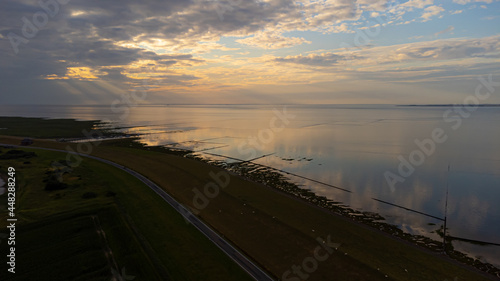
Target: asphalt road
{"x":244,"y":262}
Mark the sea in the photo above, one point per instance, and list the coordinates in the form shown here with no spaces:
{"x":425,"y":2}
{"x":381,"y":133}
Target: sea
{"x":414,"y":165}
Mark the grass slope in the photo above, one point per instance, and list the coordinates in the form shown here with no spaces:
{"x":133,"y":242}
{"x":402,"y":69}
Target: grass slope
{"x":278,"y":232}
{"x":57,"y":238}
{"x":44,"y":128}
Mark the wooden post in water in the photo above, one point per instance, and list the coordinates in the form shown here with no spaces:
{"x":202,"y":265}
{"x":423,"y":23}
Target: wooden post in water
{"x":446,"y":210}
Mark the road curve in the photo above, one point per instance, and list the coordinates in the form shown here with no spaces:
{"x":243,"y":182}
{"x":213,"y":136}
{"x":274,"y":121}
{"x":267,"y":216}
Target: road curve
{"x":244,"y":262}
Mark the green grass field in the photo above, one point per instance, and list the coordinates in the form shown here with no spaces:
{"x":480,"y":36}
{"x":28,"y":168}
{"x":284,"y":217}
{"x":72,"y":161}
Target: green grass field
{"x":68,"y":244}
{"x":56,"y":238}
{"x":44,"y":128}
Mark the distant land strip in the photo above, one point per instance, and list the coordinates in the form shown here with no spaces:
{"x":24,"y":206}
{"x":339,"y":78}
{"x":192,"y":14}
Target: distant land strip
{"x":449,"y":105}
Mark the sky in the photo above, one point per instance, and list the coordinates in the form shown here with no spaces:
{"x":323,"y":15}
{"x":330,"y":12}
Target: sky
{"x":90,"y":52}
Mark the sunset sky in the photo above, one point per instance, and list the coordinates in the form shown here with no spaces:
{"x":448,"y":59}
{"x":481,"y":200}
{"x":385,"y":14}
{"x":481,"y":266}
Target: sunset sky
{"x":247,"y":51}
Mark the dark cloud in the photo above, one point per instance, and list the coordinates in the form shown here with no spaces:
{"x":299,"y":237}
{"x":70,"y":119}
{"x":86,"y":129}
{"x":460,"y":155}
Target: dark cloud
{"x":325,"y":59}
{"x":115,"y":74}
{"x":84,"y":33}
{"x":455,"y":49}
{"x":80,"y":33}
{"x":177,"y":79}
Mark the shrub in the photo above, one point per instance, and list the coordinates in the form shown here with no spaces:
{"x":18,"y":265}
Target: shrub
{"x":89,"y":195}
{"x":110,"y":194}
{"x":55,"y":185}
{"x":16,"y":154}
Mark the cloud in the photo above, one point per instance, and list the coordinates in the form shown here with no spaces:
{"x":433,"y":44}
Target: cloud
{"x":489,"y":17}
{"x":444,"y":31}
{"x":463,"y":2}
{"x":94,"y":33}
{"x":429,"y":55}
{"x":127,"y":27}
{"x":373,"y":5}
{"x":181,"y":79}
{"x":324,"y":59}
{"x":416,"y":37}
{"x":398,"y":11}
{"x":341,"y":28}
{"x":431,"y":11}
{"x":439,"y":50}
{"x":112,"y":45}
{"x":272,"y":40}
{"x":87,"y":44}
{"x":420,"y":4}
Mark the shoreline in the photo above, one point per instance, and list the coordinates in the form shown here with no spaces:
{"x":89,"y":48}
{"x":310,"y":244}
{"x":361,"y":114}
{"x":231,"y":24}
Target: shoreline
{"x":344,"y":213}
{"x":370,"y":220}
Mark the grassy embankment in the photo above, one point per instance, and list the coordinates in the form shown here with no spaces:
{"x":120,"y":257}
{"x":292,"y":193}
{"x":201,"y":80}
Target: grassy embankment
{"x":276,"y":230}
{"x":44,"y":128}
{"x":57,"y":238}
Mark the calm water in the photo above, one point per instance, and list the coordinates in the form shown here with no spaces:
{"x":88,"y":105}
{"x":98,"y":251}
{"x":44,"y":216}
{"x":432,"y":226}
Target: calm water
{"x":351,"y":147}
